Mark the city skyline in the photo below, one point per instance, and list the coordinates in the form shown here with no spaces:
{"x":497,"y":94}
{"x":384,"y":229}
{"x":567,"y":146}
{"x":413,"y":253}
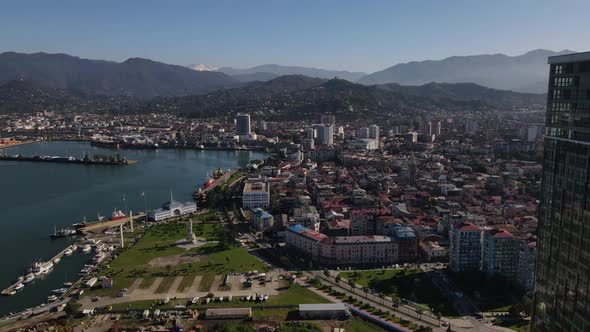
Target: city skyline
{"x":362,"y":37}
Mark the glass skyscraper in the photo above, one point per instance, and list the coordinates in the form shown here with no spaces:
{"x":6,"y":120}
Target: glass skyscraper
{"x":562,"y":279}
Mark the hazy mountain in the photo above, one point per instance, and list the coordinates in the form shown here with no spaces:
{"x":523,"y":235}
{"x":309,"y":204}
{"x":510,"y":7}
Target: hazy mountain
{"x":294,"y":70}
{"x":202,"y":67}
{"x":259,"y":76}
{"x":469,"y":92}
{"x":300,"y":97}
{"x":133,"y":77}
{"x":523,"y":73}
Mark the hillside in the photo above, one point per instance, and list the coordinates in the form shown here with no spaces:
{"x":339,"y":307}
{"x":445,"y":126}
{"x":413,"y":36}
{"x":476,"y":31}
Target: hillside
{"x":298,"y":97}
{"x":21,"y":96}
{"x":135,"y":77}
{"x":523,"y":73}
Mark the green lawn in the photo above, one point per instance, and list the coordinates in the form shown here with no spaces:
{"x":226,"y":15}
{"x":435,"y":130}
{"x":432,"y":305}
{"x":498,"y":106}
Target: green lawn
{"x":293,"y":295}
{"x":411,"y":284}
{"x":520,"y":325}
{"x":160,"y":241}
{"x":164,"y":286}
{"x":186,"y":283}
{"x":361,"y":325}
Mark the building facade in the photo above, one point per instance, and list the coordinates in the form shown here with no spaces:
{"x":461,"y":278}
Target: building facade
{"x":342,"y":250}
{"x":499,"y":253}
{"x":562,"y":279}
{"x":255,"y":195}
{"x":465,"y":248}
{"x":243,"y":124}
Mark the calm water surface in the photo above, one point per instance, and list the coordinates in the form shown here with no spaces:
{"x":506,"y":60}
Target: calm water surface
{"x":36,"y":196}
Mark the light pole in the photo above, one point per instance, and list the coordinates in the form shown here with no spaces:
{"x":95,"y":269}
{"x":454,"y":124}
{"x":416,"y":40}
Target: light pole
{"x":145,"y":207}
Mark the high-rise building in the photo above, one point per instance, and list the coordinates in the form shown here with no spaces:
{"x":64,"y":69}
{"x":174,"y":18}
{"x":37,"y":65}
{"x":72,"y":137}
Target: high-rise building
{"x":324,"y":134}
{"x":465,"y":249}
{"x":499,"y":253}
{"x":363,"y":132}
{"x":328,"y":119}
{"x":243,"y":124}
{"x":374,"y":132}
{"x":562,"y":278}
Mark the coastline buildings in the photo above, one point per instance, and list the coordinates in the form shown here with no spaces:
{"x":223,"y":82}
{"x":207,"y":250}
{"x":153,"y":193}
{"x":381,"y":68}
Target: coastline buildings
{"x":562,"y":294}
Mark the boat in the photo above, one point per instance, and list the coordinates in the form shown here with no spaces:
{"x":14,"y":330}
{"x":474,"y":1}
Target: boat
{"x":59,"y":290}
{"x":209,"y":182}
{"x":68,"y":284}
{"x":40,"y":268}
{"x":19,"y":287}
{"x":64,"y":232}
{"x":195,"y":300}
{"x":116,"y":215}
{"x":29,"y":278}
{"x":51,"y":298}
{"x":57,"y":260}
{"x":86,"y":249}
{"x":68,"y":252}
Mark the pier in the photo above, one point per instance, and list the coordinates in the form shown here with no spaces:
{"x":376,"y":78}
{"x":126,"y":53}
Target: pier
{"x":7,"y":291}
{"x":67,"y":160}
{"x":97,"y":225}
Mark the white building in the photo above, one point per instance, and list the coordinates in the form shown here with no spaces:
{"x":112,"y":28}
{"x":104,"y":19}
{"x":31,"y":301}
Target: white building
{"x":172,"y":209}
{"x":255,"y":195}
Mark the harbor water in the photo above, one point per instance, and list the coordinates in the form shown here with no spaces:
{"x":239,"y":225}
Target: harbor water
{"x":35,"y":197}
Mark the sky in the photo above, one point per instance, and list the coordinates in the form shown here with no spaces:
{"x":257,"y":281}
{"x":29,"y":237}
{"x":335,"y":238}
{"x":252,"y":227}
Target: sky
{"x":367,"y":35}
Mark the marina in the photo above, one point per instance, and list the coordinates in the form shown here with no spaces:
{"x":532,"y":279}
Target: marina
{"x":64,"y":195}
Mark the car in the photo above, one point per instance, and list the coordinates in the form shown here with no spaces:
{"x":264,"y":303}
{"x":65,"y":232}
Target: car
{"x":120,"y":294}
{"x":459,"y":294}
{"x":95,"y":298}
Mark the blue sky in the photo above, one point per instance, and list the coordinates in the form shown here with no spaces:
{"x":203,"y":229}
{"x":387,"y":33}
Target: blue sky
{"x":352,"y":35}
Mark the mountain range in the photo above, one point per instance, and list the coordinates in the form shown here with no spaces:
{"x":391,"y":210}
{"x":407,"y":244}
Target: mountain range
{"x":135,"y":77}
{"x":523,"y":73}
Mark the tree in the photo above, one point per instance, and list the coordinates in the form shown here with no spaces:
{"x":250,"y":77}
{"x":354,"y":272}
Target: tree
{"x":351,"y":284}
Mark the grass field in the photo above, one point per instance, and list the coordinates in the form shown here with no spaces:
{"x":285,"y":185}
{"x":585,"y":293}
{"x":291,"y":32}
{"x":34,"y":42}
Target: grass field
{"x":361,"y":325}
{"x":160,"y":241}
{"x":164,"y":286}
{"x":411,"y":284}
{"x":293,"y":295}
{"x":186,"y":283}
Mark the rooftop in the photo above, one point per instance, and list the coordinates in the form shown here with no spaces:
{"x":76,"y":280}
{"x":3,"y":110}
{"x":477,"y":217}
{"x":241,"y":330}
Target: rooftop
{"x":574,"y":57}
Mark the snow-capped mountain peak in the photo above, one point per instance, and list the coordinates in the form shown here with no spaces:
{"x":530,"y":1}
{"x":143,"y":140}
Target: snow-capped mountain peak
{"x":202,"y":67}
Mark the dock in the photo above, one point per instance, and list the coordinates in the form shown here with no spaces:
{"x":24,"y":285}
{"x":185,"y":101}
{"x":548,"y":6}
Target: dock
{"x":98,"y":225}
{"x":10,"y":288}
{"x":67,"y":160}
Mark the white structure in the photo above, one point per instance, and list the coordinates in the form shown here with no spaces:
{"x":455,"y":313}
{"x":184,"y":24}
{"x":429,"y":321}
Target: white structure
{"x":190,"y":237}
{"x":172,"y":209}
{"x":255,"y":195}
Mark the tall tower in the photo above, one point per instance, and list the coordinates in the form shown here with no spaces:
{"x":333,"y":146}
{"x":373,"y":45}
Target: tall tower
{"x":243,"y":124}
{"x":562,"y":278}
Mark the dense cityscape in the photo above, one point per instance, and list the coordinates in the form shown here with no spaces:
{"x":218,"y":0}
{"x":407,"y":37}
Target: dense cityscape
{"x":341,"y":167}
